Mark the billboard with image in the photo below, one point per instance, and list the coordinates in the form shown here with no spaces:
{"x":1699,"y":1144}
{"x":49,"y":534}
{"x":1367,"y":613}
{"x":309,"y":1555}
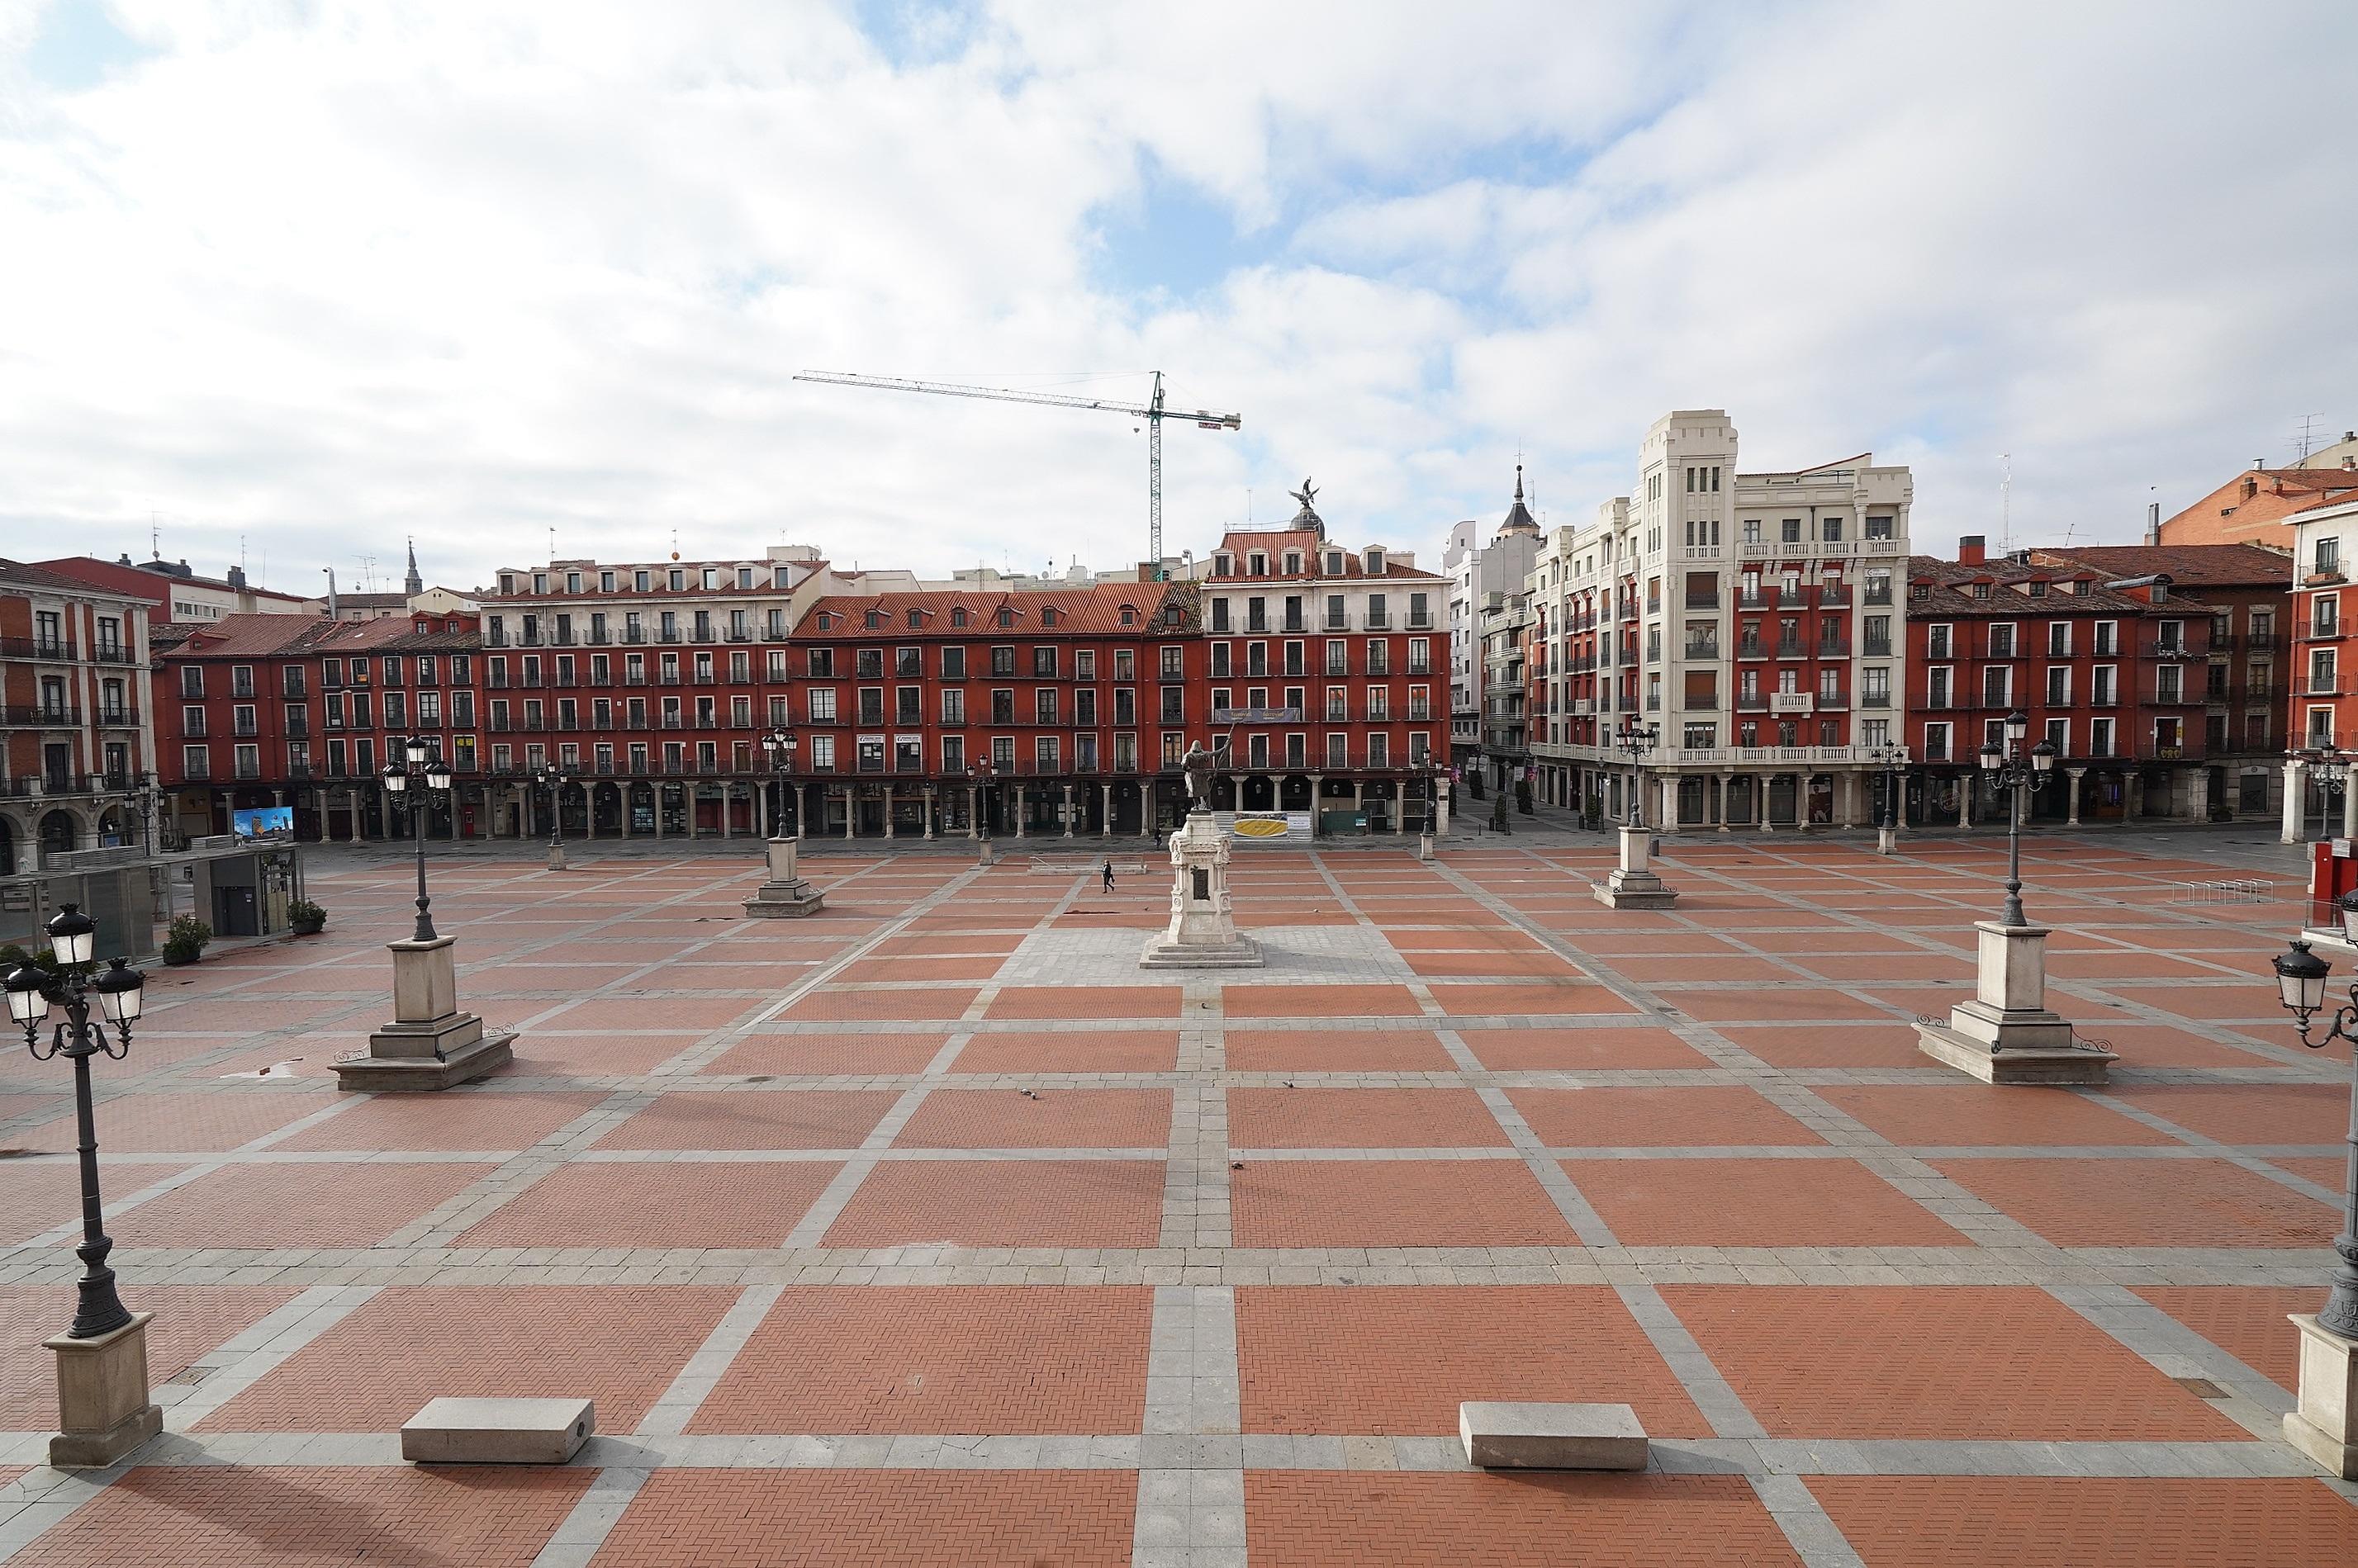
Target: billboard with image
{"x":264,"y":821}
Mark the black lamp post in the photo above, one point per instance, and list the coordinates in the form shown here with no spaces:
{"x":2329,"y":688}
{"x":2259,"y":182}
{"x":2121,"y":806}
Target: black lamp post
{"x":983,"y":772}
{"x":1637,"y":740}
{"x":433,"y":777}
{"x":1891,"y":760}
{"x":1433,"y":774}
{"x":2300,"y":980}
{"x":2332,"y":766}
{"x":554,"y":781}
{"x":780,"y":744}
{"x":32,"y":992}
{"x":2009,"y":768}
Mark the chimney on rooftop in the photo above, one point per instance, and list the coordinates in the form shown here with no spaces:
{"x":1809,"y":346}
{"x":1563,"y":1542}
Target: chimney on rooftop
{"x":1972,"y":550}
{"x":2259,"y":462}
{"x":2153,"y":522}
{"x":234,"y":577}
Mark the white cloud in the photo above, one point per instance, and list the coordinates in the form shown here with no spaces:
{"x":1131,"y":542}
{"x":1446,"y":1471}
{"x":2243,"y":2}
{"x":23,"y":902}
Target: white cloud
{"x":323,"y":276}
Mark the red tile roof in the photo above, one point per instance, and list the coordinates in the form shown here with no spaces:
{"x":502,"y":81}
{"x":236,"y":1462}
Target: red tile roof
{"x":2186,"y":565}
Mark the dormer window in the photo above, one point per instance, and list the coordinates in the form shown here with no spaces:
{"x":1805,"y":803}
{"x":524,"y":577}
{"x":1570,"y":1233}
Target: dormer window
{"x":507,"y":583}
{"x":916,"y":619}
{"x":823,"y":620}
{"x":1257,"y":564}
{"x":1224,"y":564}
{"x":1293,"y":563}
{"x":1006,"y":616}
{"x":2035,"y":590}
{"x":1047,"y":617}
{"x":2080,"y":588}
{"x":1374,"y":563}
{"x":875,"y":618}
{"x":957,"y":615}
{"x":1334,"y":563}
{"x":1128,"y":616}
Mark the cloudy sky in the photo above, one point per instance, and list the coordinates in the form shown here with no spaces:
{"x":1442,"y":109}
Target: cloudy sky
{"x":318,"y":275}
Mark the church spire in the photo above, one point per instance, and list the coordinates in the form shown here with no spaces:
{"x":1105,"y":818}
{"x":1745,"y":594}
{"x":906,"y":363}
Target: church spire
{"x":413,"y":585}
{"x":1519,"y":516}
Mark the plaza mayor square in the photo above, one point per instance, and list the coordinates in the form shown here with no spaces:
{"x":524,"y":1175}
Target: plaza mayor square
{"x":970,"y":784}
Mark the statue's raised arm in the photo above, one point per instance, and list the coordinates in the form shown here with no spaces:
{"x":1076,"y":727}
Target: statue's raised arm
{"x":1197,"y":764}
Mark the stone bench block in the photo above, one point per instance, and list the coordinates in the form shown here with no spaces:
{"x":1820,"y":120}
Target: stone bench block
{"x":497,"y":1432}
{"x":1512,"y":1436}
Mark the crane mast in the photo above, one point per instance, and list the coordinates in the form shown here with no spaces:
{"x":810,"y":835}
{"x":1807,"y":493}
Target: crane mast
{"x":1153,"y":411}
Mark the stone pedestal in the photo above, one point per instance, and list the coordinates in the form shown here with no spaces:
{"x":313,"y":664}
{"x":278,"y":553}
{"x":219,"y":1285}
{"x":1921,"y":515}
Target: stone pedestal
{"x":785,"y":896}
{"x":1203,"y":932}
{"x":2325,"y":1423}
{"x":429,"y":1044}
{"x":103,"y":1411}
{"x":1885,"y":840}
{"x":1424,"y":847}
{"x":556,"y":857}
{"x":2005,"y":1034}
{"x":1633,"y":884}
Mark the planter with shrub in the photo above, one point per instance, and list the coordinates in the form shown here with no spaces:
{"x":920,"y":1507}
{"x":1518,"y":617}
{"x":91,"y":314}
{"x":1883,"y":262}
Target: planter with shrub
{"x":185,"y":939}
{"x":306,"y":918}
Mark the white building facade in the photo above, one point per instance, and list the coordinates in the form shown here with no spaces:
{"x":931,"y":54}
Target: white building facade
{"x":1754,"y":620}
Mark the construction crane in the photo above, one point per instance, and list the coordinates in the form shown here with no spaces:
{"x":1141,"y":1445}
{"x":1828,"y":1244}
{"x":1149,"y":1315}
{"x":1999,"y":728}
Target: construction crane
{"x":1151,"y":411}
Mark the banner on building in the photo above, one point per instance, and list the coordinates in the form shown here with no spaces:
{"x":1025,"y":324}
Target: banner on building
{"x":1264,"y":827}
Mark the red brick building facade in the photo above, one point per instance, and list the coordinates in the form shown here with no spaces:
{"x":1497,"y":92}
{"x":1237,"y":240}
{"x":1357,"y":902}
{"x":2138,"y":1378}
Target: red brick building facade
{"x":74,"y":740}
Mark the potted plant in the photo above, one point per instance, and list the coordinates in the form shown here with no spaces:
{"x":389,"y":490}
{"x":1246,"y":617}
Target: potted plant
{"x":306,"y":918}
{"x":185,"y":939}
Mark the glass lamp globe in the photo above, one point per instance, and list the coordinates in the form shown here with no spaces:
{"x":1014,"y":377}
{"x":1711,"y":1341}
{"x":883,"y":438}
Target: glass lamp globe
{"x":73,"y":935}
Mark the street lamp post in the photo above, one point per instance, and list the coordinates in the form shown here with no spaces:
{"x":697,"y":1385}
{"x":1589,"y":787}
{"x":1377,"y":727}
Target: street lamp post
{"x":2009,"y":768}
{"x":2007,"y":1034}
{"x":430,"y":1043}
{"x":1434,"y":772}
{"x":1891,"y":760}
{"x":1632,"y":884}
{"x":982,"y":774}
{"x":786,"y":893}
{"x":2332,"y":766}
{"x":2324,"y":1423}
{"x":433,"y":778}
{"x":780,"y":745}
{"x":554,"y":781}
{"x":103,"y":1359}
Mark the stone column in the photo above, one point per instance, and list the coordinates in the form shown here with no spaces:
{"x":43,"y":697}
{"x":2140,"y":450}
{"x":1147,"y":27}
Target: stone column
{"x":1965,"y":801}
{"x":2132,"y":795}
{"x":933,"y":804}
{"x":1069,"y":811}
{"x":1726,"y":789}
{"x":2072,"y":777}
{"x":660,"y":790}
{"x":761,"y":812}
{"x":1761,"y":802}
{"x":1105,"y":811}
{"x":1847,"y":799}
{"x":974,"y":811}
{"x":1018,"y":797}
{"x":2197,"y":795}
{"x":2350,"y":809}
{"x":850,"y":811}
{"x":2294,"y":804}
{"x":728,"y":812}
{"x":1668,"y":816}
{"x":891,"y":800}
{"x":1317,"y":801}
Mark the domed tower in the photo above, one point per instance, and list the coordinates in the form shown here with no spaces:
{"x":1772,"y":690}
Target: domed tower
{"x":1519,"y":516}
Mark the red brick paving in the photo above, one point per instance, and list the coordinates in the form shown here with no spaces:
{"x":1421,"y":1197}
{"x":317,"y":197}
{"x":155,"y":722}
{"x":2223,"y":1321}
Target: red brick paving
{"x":1086,"y":1002}
{"x":1607,"y":1047}
{"x":539,"y":1053}
{"x":1754,"y":1203}
{"x":1766,"y":1003}
{"x":1392,"y":1203}
{"x":303,"y":1516}
{"x":911,"y":969}
{"x":1318,"y":1001}
{"x":2248,"y":1322}
{"x":1336,"y":1051}
{"x":2250,"y":1113}
{"x":1638,"y":1118}
{"x":963,"y":1359}
{"x":828,"y":1055}
{"x":36,"y":1197}
{"x":827,"y":1005}
{"x":292,"y":1206}
{"x":766,"y":1118}
{"x":1540,"y":1001}
{"x":2146,"y":1202}
{"x":620,"y":1346}
{"x":1360,"y":1119}
{"x":1958,"y":1115}
{"x":657,"y":1204}
{"x":856,"y":1519}
{"x":1312,"y":1518}
{"x":1935,"y":1361}
{"x":1005,"y":1202}
{"x":1490,"y":964}
{"x":174,"y":1123}
{"x":1056,"y":1118}
{"x":190,"y":1321}
{"x":1346,"y":1360}
{"x":652,"y":1013}
{"x":1974,"y":1521}
{"x":1832,"y":1045}
{"x":1070,"y":1051}
{"x":450,"y":1121}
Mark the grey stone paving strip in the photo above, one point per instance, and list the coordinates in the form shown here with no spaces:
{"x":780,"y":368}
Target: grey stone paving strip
{"x":585,"y":1529}
{"x":677,"y":1405}
{"x":42,"y":1498}
{"x":1193,"y":1514}
{"x":1196,"y":1204}
{"x":2247,"y":1158}
{"x":246,"y":1358}
{"x":2255,"y":1403}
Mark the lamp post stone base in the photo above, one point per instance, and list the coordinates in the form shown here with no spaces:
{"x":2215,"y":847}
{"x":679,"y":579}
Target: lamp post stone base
{"x":785,"y":896}
{"x":103,"y":1411}
{"x":1633,"y":884}
{"x":429,"y":1044}
{"x":2007,"y":1034}
{"x":556,"y":857}
{"x":2324,"y":1425}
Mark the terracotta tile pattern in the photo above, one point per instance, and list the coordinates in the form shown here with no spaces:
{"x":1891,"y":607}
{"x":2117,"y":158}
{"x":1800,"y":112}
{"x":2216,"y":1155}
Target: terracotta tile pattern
{"x":856,"y":1519}
{"x":1310,"y":1518}
{"x":292,"y":1206}
{"x":1398,"y":1359}
{"x":1932,"y":1361}
{"x":968,"y":1358}
{"x":296,"y":1517}
{"x":190,"y":1321}
{"x":988,"y":1202}
{"x":1644,"y":1117}
{"x":1360,"y":1119}
{"x":1754,"y":1203}
{"x":1971,"y":1522}
{"x":1049,"y":1117}
{"x":2119,"y":1202}
{"x":2248,"y":1322}
{"x":752,"y":1205}
{"x":782,"y":1118}
{"x":618,"y":1345}
{"x":1392,"y":1203}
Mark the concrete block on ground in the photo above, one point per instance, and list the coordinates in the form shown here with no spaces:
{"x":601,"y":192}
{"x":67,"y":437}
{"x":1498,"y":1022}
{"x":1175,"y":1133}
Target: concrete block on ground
{"x":497,"y":1432}
{"x":1519,"y":1436}
{"x":372,"y":1069}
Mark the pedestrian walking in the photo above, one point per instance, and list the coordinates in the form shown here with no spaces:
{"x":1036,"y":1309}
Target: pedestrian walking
{"x":1158,"y":835}
{"x":1107,"y":868}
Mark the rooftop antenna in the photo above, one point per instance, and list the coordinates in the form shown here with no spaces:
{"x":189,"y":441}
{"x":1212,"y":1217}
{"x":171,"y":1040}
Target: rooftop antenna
{"x":552,"y":544}
{"x":2305,"y":441}
{"x":155,"y":540}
